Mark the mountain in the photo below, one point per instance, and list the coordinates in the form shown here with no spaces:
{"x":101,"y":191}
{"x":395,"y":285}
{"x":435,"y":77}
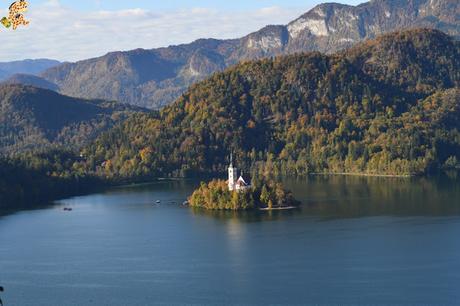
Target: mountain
{"x":30,"y":80}
{"x":3,"y":74}
{"x":155,"y":78}
{"x":29,"y":66}
{"x":387,"y":106}
{"x":33,"y":118}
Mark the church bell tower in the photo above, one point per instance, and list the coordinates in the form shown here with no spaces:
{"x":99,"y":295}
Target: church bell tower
{"x":232,"y":174}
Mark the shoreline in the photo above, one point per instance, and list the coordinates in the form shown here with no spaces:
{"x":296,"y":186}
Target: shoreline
{"x":122,"y":184}
{"x":365,"y":174}
{"x":279,"y":208}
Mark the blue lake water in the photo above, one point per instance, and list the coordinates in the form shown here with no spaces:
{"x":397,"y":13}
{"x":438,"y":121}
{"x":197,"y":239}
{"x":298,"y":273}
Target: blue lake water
{"x":355,"y":241}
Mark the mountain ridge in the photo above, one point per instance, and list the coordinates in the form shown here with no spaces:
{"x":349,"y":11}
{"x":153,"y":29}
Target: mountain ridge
{"x":37,"y":119}
{"x":28,"y":66}
{"x":156,"y":77}
{"x":30,"y":80}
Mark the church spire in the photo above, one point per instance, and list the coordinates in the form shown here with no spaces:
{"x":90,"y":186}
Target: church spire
{"x":232,"y":172}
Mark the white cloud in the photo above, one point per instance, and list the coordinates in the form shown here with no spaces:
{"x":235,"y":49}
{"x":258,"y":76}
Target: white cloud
{"x":62,"y":33}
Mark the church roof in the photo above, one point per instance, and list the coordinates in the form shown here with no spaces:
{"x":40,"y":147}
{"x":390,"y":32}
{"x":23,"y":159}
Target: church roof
{"x":242,"y":182}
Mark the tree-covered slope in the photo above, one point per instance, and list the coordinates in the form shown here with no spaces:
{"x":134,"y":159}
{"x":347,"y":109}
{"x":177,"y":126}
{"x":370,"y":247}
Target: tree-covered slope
{"x":33,"y":118}
{"x":388,"y":106}
{"x":36,"y":178}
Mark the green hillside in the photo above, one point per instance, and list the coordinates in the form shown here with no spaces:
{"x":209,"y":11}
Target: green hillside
{"x":33,"y":118}
{"x":388,"y":106}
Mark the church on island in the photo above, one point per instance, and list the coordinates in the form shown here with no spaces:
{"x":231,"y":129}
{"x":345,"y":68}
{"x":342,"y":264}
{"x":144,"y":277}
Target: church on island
{"x":234,"y":184}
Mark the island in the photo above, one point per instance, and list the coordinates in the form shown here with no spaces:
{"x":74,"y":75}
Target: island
{"x":239,"y":194}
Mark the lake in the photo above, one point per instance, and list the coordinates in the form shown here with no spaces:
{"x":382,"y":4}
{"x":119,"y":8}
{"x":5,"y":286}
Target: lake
{"x":356,"y":240}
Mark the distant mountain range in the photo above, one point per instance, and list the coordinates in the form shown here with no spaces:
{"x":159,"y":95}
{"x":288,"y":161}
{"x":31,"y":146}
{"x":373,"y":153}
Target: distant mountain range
{"x":30,"y":80}
{"x":33,"y":118}
{"x":386,"y":106}
{"x":155,"y":78}
{"x":29,"y":66}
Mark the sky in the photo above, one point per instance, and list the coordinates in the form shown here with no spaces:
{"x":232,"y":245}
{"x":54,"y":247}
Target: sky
{"x":74,"y":30}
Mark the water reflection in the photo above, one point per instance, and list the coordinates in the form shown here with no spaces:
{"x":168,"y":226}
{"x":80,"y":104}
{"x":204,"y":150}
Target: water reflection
{"x":351,"y":196}
{"x":321,"y":196}
{"x":347,"y":196}
{"x":245,"y":216}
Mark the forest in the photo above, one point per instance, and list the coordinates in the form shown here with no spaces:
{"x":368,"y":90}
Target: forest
{"x":389,"y":106}
{"x":36,"y":178}
{"x":35,"y":119}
